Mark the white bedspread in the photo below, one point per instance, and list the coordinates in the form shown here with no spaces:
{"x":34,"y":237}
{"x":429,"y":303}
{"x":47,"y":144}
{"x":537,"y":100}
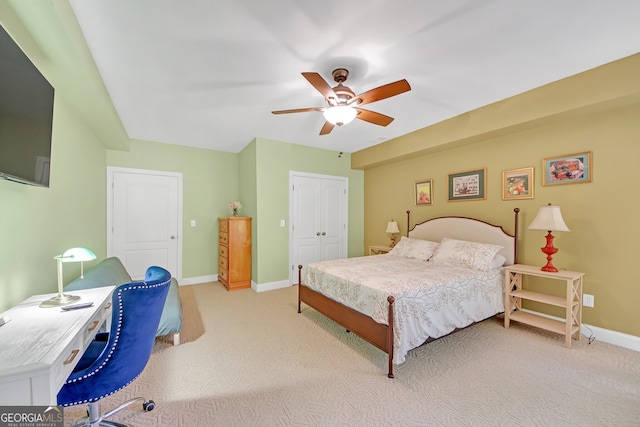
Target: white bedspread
{"x":431,"y":300}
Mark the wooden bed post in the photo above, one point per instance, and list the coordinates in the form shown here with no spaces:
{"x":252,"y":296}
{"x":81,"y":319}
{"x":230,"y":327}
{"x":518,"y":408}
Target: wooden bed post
{"x":390,"y":300}
{"x":515,"y":237}
{"x":299,"y":283}
{"x":408,"y":222}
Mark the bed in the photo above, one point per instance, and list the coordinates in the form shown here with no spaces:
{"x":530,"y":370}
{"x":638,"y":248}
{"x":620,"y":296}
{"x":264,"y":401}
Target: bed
{"x":446,"y":274}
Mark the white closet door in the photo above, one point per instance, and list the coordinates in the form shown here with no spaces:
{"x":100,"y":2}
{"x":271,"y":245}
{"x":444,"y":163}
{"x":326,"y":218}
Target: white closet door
{"x":318,"y":218}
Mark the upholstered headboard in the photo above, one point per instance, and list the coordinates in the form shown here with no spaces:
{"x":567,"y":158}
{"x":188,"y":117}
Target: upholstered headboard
{"x":470,"y":229}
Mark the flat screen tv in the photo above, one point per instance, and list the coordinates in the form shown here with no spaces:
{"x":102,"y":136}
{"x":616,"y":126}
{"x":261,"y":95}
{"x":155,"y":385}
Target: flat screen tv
{"x":26,"y":117}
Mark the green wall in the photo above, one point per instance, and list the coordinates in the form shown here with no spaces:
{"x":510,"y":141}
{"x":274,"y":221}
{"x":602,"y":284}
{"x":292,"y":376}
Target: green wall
{"x":259,"y":178}
{"x":265,"y":177}
{"x":37,"y":224}
{"x":210,"y":182}
{"x":45,"y":222}
{"x":52,"y":39}
{"x":248,"y":196}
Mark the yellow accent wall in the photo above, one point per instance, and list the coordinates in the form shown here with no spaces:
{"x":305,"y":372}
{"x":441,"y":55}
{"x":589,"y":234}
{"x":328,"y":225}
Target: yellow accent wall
{"x":597,"y":111}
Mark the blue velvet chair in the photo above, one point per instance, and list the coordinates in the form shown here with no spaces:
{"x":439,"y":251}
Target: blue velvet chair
{"x":114,"y":359}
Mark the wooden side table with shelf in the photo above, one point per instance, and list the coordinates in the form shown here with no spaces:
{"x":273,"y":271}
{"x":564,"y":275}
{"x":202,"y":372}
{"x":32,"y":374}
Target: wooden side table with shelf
{"x":572,"y":303}
{"x":377,"y":250}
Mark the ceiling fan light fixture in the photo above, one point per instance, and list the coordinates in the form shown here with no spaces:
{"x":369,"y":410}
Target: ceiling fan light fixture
{"x":344,"y":104}
{"x":340,"y":114}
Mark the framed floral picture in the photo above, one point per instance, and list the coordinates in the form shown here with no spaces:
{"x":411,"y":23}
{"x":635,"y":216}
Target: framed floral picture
{"x":468,"y":185}
{"x":570,"y":169}
{"x":424,"y":192}
{"x":517,"y":184}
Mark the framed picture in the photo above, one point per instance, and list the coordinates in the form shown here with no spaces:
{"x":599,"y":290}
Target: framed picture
{"x":424,"y":193}
{"x":517,"y":184}
{"x":468,"y":185}
{"x":570,"y":169}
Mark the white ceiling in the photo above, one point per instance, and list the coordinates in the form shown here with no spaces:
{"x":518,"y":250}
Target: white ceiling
{"x":208,"y":73}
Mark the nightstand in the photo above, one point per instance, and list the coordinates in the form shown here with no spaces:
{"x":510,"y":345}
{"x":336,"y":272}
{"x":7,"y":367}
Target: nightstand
{"x":377,"y":250}
{"x":572,"y":303}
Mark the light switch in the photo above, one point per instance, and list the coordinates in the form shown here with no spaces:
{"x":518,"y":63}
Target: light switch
{"x":193,"y":222}
{"x":282,"y":223}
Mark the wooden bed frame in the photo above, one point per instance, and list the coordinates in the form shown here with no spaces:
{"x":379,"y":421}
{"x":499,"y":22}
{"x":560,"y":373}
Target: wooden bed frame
{"x":378,"y":334}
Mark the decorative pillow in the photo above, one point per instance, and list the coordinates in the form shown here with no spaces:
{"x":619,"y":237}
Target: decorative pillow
{"x":460,"y":253}
{"x":496,"y":262}
{"x":414,"y":248}
{"x":400,"y":248}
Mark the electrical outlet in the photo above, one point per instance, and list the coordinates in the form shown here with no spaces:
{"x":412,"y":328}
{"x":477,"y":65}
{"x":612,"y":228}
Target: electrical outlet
{"x":588,"y":300}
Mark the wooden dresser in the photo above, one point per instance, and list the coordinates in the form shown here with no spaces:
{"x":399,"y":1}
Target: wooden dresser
{"x":234,"y":252}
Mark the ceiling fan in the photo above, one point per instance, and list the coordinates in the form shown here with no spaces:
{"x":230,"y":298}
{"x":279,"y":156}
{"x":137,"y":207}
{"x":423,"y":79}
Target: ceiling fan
{"x":344,"y":104}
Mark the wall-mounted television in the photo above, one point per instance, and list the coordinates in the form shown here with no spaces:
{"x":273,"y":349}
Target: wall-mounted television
{"x":26,"y":117}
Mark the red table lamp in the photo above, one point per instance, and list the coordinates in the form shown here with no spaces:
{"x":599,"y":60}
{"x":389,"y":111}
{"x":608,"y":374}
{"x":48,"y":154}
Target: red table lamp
{"x":549,"y":219}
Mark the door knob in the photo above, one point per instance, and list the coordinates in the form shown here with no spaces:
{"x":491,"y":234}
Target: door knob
{"x":324,"y":234}
{"x":318,"y":233}
{"x":173,"y":237}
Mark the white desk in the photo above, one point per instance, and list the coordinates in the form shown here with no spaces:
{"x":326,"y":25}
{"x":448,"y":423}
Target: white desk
{"x":39,"y":347}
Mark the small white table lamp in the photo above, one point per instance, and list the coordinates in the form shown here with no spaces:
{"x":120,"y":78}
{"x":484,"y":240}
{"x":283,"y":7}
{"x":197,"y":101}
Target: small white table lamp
{"x":549,"y":219}
{"x":72,"y":255}
{"x":392,"y":228}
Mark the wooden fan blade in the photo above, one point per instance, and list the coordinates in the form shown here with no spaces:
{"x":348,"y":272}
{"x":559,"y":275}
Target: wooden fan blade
{"x":320,"y":84}
{"x":382,"y":92}
{"x":328,"y":127}
{"x":373,"y":117}
{"x":299,"y":110}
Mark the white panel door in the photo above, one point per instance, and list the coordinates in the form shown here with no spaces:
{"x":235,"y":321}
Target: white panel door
{"x":318,"y":219}
{"x":333,"y":206}
{"x":306,"y":221}
{"x":145,"y":226}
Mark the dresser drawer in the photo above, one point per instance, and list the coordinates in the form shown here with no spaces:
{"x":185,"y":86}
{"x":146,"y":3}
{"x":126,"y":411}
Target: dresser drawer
{"x":223,"y":251}
{"x":224,"y":226}
{"x":223,"y":264}
{"x":223,"y":276}
{"x":223,"y":237}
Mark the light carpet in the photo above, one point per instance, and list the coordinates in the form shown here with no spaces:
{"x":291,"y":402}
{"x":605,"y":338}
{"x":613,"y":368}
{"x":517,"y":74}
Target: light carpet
{"x":249,"y":359}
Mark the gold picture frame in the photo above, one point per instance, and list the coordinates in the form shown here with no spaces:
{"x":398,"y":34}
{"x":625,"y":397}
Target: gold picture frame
{"x":518,"y":184}
{"x":423,"y":191}
{"x":569,"y":169}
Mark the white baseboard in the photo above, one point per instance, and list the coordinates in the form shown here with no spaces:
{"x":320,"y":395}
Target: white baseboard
{"x":620,"y":339}
{"x":198,"y":280}
{"x":270,"y":286}
{"x":631,"y":342}
{"x":255,"y":286}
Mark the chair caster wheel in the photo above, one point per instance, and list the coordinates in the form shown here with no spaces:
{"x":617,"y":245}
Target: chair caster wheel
{"x":148,"y":405}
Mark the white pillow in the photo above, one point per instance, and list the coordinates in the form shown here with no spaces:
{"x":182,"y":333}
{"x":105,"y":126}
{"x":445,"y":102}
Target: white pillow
{"x":414,"y":248}
{"x":400,"y":248}
{"x":460,"y":253}
{"x":496,"y":262}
